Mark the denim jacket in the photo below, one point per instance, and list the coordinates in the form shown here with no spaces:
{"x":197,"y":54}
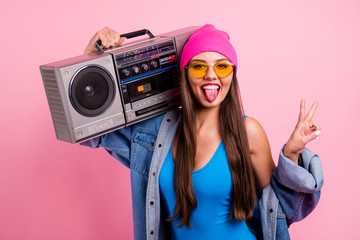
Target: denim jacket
{"x":293,"y":193}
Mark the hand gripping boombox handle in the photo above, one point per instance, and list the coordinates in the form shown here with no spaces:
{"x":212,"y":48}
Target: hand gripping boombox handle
{"x":127,"y":35}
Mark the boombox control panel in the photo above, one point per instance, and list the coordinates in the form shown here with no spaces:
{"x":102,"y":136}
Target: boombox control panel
{"x":134,"y":64}
{"x":148,"y":79}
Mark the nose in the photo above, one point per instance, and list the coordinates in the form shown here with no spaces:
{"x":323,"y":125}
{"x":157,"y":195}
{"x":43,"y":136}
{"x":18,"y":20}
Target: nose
{"x":210,"y":75}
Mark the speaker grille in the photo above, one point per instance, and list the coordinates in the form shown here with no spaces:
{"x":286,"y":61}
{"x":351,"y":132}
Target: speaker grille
{"x":55,"y":104}
{"x":92,"y":90}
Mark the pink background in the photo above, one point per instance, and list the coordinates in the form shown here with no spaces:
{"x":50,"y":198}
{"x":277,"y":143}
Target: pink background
{"x":287,"y":50}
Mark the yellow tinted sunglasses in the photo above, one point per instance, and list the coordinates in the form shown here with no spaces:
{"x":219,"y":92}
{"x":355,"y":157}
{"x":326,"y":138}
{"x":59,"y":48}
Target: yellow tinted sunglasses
{"x":199,"y":69}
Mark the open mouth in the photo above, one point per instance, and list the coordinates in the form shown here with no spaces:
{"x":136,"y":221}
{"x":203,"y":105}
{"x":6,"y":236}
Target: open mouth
{"x":210,"y":91}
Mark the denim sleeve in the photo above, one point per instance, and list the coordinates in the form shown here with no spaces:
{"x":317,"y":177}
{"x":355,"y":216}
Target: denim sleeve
{"x":298,"y":186}
{"x":116,"y":143}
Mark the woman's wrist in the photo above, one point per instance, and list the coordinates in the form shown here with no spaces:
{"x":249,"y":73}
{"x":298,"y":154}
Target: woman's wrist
{"x":291,"y":155}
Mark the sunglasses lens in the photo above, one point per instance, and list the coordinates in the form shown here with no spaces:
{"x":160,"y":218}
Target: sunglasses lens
{"x":199,"y":70}
{"x":223,"y":69}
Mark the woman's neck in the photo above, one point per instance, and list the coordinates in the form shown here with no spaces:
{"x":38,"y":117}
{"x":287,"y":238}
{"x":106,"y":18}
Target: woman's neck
{"x":207,"y":119}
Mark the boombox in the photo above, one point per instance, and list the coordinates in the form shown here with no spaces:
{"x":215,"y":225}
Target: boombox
{"x":94,"y":94}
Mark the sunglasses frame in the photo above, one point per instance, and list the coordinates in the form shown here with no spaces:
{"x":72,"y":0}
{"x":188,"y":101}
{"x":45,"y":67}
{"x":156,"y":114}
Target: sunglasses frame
{"x":208,"y":67}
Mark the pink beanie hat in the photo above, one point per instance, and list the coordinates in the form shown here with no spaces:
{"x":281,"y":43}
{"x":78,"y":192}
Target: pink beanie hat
{"x":208,"y":39}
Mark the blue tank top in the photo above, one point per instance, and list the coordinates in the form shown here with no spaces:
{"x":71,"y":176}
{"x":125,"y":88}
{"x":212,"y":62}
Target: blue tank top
{"x":212,"y":187}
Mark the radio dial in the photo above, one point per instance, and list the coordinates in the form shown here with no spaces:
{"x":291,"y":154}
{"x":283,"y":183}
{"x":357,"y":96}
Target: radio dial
{"x":135,"y":69}
{"x":144,"y":67}
{"x":154,"y":64}
{"x":125,"y":73}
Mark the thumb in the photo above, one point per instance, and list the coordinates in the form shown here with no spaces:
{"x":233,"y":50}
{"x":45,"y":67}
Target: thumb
{"x":121,"y":40}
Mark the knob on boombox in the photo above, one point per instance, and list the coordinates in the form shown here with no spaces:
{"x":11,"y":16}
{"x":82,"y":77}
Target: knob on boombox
{"x":144,"y":67}
{"x":154,"y":64}
{"x":135,"y":69}
{"x":125,"y":73}
{"x":92,"y":90}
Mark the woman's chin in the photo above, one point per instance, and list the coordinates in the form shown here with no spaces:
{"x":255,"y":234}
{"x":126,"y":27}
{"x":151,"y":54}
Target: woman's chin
{"x":206,"y":103}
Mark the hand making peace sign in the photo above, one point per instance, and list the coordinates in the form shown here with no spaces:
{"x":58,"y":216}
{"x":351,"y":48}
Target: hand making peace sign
{"x":305,"y":131}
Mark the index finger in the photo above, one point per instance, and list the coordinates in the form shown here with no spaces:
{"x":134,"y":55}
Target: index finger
{"x":302,"y":110}
{"x":311,"y":113}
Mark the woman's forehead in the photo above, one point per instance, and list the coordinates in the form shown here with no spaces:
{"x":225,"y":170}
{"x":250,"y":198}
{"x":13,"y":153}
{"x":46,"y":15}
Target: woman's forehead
{"x":209,"y":57}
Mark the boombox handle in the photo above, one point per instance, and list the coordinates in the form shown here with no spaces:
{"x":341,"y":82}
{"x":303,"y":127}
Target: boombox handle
{"x":127,"y":35}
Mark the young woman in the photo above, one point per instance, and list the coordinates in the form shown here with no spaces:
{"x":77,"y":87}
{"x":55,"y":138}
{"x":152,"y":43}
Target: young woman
{"x":197,"y":172}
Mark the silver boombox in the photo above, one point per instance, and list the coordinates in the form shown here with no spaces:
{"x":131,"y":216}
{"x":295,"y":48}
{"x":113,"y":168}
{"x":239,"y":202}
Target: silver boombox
{"x":94,"y":94}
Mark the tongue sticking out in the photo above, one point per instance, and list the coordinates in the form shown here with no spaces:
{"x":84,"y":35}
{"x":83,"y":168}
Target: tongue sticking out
{"x":211,"y":94}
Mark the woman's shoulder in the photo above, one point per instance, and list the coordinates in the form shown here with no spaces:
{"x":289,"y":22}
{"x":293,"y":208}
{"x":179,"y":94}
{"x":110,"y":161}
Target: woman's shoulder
{"x":256,"y":134}
{"x":260,"y":151}
{"x":253,"y":127}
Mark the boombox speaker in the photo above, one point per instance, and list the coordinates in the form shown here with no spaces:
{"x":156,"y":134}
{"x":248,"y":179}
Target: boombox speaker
{"x":94,"y":94}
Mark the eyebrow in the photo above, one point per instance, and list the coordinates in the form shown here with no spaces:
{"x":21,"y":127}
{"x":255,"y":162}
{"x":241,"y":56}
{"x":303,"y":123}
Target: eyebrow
{"x":218,"y":60}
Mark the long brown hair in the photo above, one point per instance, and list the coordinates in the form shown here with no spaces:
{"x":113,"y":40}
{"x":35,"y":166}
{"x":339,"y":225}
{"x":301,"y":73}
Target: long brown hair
{"x":233,"y":133}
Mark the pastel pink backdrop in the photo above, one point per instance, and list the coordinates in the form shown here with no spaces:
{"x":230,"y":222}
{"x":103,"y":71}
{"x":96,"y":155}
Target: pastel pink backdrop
{"x":287,"y":51}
